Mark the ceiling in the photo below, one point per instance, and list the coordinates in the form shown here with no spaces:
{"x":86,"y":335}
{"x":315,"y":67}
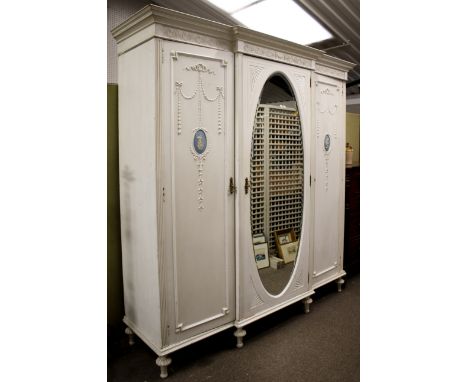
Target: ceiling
{"x":339,"y":17}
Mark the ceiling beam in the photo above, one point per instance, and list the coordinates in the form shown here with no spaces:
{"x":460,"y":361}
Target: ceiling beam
{"x":330,"y":23}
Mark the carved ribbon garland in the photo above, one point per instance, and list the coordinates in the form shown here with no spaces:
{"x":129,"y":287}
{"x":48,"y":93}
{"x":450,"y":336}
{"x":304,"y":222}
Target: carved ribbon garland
{"x":200,"y":91}
{"x":334,"y":107}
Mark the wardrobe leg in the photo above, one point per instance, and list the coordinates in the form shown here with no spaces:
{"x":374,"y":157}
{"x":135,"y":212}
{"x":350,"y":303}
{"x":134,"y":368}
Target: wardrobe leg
{"x":240,"y":333}
{"x":131,"y":336}
{"x":163,"y":362}
{"x":307,"y":301}
{"x":339,"y":282}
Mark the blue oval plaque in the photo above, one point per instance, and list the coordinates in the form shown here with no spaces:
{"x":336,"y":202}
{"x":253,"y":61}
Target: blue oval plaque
{"x":326,"y":142}
{"x":199,"y":141}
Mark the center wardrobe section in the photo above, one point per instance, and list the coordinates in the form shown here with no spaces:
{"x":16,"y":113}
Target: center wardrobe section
{"x":277,"y":175}
{"x":273,"y":130}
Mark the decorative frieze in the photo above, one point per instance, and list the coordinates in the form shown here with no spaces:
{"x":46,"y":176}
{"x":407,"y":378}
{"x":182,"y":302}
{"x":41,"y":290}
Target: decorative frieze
{"x":275,"y":55}
{"x":191,"y":37}
{"x":325,"y":70}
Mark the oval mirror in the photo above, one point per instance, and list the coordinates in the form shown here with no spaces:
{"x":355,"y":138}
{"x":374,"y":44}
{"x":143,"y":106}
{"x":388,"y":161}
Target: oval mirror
{"x":277,"y":178}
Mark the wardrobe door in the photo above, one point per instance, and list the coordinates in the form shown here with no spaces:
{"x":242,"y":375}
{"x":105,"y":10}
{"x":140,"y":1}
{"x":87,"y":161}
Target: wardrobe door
{"x":329,"y":175}
{"x":198,"y":272}
{"x":273,"y":135}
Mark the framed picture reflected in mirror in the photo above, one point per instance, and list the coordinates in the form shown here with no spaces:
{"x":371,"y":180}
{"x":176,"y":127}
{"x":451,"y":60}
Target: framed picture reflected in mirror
{"x":261,"y":255}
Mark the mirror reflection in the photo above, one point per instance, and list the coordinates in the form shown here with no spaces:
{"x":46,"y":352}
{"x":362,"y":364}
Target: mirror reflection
{"x":277,"y":178}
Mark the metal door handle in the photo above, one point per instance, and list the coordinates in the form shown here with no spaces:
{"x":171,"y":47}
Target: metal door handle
{"x":247,"y":185}
{"x":232,"y":187}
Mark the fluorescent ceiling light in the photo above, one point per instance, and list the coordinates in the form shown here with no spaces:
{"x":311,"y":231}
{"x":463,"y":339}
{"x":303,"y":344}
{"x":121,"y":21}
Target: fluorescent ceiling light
{"x":281,"y":18}
{"x":231,"y":5}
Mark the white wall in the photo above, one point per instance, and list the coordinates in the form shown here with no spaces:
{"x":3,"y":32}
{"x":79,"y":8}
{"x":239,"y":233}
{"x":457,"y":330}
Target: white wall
{"x":353,"y":123}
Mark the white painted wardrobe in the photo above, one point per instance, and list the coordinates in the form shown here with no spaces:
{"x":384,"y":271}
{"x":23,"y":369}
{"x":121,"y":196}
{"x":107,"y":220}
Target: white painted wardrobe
{"x":227,"y":137}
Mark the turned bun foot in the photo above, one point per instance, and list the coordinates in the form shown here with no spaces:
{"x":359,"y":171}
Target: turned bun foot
{"x":239,"y":334}
{"x":131,"y":336}
{"x":307,"y":301}
{"x":339,"y":283}
{"x":163,"y":362}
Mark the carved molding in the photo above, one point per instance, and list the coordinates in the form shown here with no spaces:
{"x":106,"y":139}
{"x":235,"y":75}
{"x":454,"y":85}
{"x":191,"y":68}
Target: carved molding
{"x":326,"y":103}
{"x":327,"y":157}
{"x":257,"y":300}
{"x":220,"y":95}
{"x":200,"y":91}
{"x":200,"y":68}
{"x":201,"y":96}
{"x":299,"y":281}
{"x":317,"y":274}
{"x":301,"y":83}
{"x":277,"y":56}
{"x":255,"y":71}
{"x":326,"y":153}
{"x":200,"y":159}
{"x":325,"y":70}
{"x":154,"y":21}
{"x":192,"y":37}
{"x":181,"y":327}
{"x":329,"y":104}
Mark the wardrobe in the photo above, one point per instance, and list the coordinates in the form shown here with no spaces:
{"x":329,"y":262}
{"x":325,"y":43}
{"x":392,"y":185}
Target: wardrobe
{"x":232,"y":167}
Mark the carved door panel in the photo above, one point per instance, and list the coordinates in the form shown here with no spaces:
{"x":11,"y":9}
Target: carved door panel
{"x":329,"y":173}
{"x":198,"y":136}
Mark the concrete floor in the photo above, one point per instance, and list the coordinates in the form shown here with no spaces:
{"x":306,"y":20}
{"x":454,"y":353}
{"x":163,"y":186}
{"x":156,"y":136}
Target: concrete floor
{"x":322,"y":346}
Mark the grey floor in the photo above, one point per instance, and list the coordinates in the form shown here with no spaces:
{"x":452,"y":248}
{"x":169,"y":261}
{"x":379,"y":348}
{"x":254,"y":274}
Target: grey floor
{"x":322,"y":346}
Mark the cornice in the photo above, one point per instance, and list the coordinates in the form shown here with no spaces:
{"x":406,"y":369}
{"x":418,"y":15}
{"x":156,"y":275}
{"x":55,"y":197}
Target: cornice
{"x":153,"y":21}
{"x":331,"y":72}
{"x":262,"y":45}
{"x":173,"y":25}
{"x":336,"y":62}
{"x":262,"y":39}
